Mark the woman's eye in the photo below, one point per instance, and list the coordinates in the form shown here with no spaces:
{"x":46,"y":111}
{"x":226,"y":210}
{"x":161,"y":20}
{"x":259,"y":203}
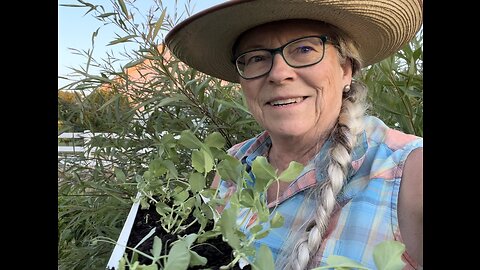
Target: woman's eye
{"x":255,"y":59}
{"x":304,"y":49}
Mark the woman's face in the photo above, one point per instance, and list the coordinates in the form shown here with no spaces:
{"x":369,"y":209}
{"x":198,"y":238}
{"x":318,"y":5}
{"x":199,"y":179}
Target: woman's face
{"x":295,"y":102}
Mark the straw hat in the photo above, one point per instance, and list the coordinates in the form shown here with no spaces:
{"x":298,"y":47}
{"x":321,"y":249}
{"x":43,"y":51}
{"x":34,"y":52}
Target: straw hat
{"x":205,"y":40}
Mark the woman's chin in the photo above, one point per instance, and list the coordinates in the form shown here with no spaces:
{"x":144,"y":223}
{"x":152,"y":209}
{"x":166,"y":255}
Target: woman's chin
{"x":288,"y":130}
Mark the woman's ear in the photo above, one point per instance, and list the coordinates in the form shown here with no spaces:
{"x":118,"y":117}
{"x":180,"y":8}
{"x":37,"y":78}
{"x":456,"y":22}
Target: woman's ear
{"x":347,"y":70}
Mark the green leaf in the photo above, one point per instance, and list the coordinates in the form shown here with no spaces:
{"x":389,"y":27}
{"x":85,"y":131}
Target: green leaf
{"x":388,"y":255}
{"x":207,"y":235}
{"x":152,"y":266}
{"x":157,"y":167}
{"x":263,"y":171}
{"x":230,"y":169}
{"x":123,"y":7}
{"x":181,"y":196}
{"x":413,"y":93}
{"x":162,"y":207}
{"x":234,"y":104}
{"x":189,"y":204}
{"x":257,"y":228}
{"x":262,"y":210}
{"x":133,"y":63}
{"x":207,"y":211}
{"x":190,"y":239}
{"x":292,"y":172}
{"x":196,"y":260}
{"x":341,"y":262}
{"x":152,"y":231}
{"x":200,"y":89}
{"x":69,"y":5}
{"x":246,"y":197}
{"x":104,"y":15}
{"x":120,"y":175}
{"x":208,"y":193}
{"x":170,"y":167}
{"x":202,"y":161}
{"x":121,"y":264}
{"x":418,"y":52}
{"x":168,"y":139}
{"x":157,"y":247}
{"x":197,"y":182}
{"x":169,"y":100}
{"x":262,"y":234}
{"x":277,"y":220}
{"x":121,"y":40}
{"x":264,"y":259}
{"x":218,"y":154}
{"x":215,"y":139}
{"x":228,"y":226}
{"x":159,"y":23}
{"x":189,"y":140}
{"x":178,"y":257}
{"x":110,"y":101}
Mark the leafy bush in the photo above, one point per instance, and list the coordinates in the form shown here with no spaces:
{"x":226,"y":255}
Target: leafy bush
{"x":68,"y":101}
{"x":164,"y":96}
{"x":395,"y":88}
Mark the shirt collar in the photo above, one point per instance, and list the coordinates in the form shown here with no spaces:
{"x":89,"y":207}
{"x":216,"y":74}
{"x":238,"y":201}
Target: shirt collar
{"x":263,"y":143}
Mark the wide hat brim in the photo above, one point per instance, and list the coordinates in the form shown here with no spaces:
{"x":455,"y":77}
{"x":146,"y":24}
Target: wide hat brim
{"x":205,"y":40}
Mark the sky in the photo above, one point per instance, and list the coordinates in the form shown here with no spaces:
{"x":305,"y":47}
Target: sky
{"x":75,"y":29}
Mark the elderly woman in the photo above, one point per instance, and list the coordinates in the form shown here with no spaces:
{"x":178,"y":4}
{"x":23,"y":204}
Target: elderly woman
{"x":295,"y":61}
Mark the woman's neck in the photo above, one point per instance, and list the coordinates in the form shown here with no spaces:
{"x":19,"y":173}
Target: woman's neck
{"x":285,"y":150}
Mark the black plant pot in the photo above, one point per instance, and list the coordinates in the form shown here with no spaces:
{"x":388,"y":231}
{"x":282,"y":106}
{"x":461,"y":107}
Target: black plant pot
{"x":141,"y":221}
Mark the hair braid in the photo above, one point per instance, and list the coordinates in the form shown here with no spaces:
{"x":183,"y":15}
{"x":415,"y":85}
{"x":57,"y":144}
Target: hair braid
{"x":343,"y":138}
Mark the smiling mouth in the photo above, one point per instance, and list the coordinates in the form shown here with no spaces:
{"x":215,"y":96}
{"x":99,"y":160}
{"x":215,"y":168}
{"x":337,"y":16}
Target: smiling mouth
{"x":284,"y":102}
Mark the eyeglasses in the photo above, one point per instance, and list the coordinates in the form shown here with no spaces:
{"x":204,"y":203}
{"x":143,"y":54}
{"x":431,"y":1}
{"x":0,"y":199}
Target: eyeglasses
{"x":298,"y":53}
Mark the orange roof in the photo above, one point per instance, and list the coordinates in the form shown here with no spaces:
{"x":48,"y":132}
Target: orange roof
{"x":143,"y":76}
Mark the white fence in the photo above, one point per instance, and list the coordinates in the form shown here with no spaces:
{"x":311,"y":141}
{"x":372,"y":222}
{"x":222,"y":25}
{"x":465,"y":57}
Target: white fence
{"x":75,"y":136}
{"x":78,"y":151}
{"x":81,"y":150}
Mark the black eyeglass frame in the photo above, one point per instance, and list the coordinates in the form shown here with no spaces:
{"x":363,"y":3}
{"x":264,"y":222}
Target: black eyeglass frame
{"x":325,"y":39}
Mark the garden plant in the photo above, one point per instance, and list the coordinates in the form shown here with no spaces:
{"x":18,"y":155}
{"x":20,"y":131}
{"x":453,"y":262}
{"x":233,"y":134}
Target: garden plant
{"x":173,"y":125}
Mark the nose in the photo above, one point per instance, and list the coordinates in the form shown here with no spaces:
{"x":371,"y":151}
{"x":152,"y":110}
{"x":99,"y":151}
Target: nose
{"x":280,"y":71}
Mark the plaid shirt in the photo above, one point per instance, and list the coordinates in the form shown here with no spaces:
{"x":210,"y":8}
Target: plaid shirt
{"x":366,"y":212}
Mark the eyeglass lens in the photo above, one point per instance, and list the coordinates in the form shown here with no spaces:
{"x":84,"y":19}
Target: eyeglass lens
{"x":298,"y":53}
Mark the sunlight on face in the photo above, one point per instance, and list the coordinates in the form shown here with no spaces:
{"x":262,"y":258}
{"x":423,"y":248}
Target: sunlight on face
{"x":299,"y":102}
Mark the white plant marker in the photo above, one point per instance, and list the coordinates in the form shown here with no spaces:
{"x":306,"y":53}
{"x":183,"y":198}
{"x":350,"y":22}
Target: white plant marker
{"x":119,"y":249}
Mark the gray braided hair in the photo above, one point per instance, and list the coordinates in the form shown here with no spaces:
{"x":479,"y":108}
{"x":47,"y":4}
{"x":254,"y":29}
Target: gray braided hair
{"x":303,"y":244}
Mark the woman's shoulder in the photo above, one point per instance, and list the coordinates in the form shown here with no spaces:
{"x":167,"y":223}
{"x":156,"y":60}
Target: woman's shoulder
{"x":382,"y":151}
{"x":377,"y":132}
